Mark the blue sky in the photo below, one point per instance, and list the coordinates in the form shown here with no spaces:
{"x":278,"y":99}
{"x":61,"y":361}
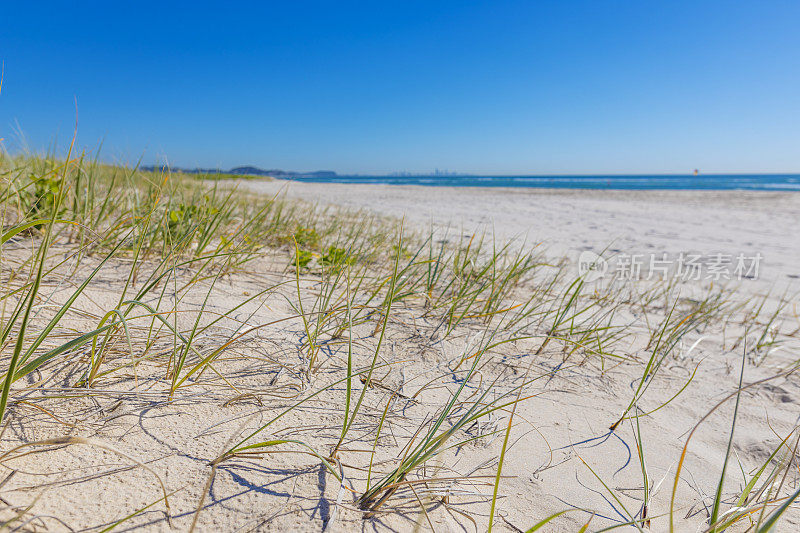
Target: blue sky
{"x":528,"y":87}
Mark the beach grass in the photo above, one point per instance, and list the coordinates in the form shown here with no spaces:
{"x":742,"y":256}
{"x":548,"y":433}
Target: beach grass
{"x":333,"y":326}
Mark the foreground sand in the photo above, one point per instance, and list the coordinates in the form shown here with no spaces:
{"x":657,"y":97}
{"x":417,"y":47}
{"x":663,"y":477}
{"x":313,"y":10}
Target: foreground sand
{"x":560,"y":429}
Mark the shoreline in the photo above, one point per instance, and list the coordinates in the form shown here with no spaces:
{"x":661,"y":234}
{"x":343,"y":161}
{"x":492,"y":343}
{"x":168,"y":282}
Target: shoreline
{"x":644,"y":182}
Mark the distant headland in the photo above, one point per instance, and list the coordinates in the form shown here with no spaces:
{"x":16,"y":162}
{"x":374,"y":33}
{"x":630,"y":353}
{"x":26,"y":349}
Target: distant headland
{"x":246,"y":171}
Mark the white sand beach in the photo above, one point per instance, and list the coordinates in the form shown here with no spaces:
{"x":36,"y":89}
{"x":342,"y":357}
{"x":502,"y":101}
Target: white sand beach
{"x":390,"y":267}
{"x":131,"y":444}
{"x":568,"y":221}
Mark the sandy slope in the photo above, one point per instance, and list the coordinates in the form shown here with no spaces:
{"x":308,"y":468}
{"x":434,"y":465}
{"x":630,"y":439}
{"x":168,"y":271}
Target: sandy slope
{"x":560,"y":430}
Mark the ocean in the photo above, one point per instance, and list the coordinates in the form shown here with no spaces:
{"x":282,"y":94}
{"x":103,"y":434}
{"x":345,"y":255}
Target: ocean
{"x":755,"y":182}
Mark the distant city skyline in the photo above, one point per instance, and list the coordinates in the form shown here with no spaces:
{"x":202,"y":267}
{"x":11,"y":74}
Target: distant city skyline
{"x":501,"y":87}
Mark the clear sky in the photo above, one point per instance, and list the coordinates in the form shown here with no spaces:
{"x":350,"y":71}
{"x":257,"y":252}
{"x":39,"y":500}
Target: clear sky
{"x":501,"y":87}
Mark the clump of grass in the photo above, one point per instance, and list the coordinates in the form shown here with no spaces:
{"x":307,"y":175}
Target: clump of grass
{"x":748,"y":503}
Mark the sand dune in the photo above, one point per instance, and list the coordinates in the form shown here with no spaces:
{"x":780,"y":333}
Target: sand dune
{"x":122,"y":444}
